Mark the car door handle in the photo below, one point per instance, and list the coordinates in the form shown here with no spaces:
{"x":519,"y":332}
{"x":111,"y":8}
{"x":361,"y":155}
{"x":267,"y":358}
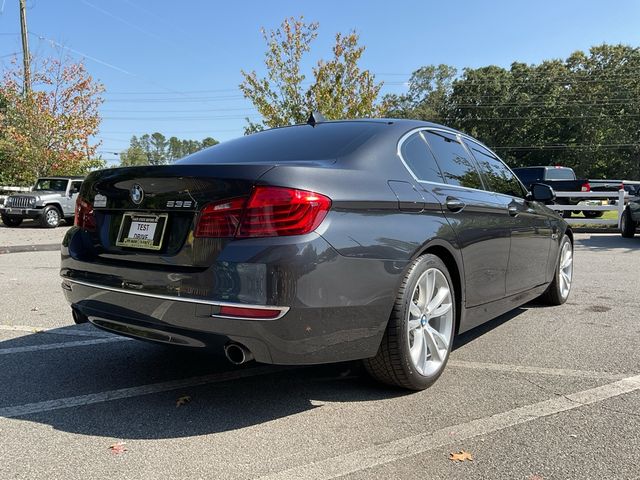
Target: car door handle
{"x":454,"y":205}
{"x":513,"y":211}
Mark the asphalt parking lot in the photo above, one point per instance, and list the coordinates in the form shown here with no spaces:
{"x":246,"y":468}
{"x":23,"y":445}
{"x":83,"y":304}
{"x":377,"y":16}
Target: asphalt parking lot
{"x":539,"y":393}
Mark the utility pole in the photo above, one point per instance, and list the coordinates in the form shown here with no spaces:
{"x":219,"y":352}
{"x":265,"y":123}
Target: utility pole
{"x":25,"y":49}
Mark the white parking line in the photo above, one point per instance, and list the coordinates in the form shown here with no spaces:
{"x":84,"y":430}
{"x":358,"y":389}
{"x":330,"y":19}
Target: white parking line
{"x":54,"y":346}
{"x":562,"y":372}
{"x":381,"y":454}
{"x":68,"y":402}
{"x":70,"y":330}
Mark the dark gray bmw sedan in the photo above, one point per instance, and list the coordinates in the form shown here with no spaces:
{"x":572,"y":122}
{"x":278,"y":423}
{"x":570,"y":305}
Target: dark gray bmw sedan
{"x":365,"y":239}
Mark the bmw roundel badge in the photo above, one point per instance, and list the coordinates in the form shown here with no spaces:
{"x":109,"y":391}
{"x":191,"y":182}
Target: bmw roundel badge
{"x":136,"y":193}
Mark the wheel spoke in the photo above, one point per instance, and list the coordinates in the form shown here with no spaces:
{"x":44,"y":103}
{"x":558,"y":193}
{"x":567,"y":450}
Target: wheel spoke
{"x":439,"y":338}
{"x":441,"y":310}
{"x":415,"y":310}
{"x":436,"y":354}
{"x":436,"y":301}
{"x":417,"y":347}
{"x":414,"y":323}
{"x":563,"y":282}
{"x":429,"y":284}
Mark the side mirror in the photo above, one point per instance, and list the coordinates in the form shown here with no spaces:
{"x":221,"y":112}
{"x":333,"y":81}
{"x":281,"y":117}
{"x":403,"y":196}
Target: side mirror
{"x":541,"y":193}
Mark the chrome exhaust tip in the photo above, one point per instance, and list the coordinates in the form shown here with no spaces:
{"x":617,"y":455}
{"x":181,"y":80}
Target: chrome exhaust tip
{"x":237,"y":354}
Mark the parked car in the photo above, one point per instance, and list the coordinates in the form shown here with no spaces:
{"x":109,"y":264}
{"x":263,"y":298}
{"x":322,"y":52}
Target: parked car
{"x":630,"y":218}
{"x":561,"y":179}
{"x":631,"y":187}
{"x":365,"y":239}
{"x":51,"y":200}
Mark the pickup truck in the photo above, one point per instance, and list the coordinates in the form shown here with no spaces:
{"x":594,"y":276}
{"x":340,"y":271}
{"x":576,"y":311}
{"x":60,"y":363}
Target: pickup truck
{"x":49,"y":201}
{"x":561,"y":179}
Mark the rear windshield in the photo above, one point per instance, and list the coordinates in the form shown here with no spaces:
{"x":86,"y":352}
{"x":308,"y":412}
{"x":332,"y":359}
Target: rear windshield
{"x":325,"y":141}
{"x":560,"y":174}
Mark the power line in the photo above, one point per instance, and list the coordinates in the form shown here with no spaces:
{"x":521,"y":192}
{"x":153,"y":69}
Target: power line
{"x":163,"y":39}
{"x":538,"y":117}
{"x":570,"y":147}
{"x":207,"y":110}
{"x":176,"y":132}
{"x":77,"y":52}
{"x":177,"y":118}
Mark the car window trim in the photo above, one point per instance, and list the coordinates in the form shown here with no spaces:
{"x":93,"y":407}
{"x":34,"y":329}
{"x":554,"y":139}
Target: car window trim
{"x":444,"y":130}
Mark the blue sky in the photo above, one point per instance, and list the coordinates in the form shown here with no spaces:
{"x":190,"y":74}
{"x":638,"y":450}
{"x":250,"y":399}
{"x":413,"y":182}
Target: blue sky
{"x":174,"y":67}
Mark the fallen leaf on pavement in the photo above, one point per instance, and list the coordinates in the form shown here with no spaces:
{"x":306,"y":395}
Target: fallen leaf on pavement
{"x":183,"y":400}
{"x":461,"y":456}
{"x":535,"y":477}
{"x":118,"y":448}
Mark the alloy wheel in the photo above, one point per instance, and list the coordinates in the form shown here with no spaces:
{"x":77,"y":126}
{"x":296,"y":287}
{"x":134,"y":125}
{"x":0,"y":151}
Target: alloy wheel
{"x":565,"y":269}
{"x":52,"y":217}
{"x":430,"y":322}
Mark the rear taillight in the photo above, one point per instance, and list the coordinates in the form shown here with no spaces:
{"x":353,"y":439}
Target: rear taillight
{"x":85,"y":218}
{"x":585,"y":187}
{"x":269,"y":212}
{"x":220,"y":219}
{"x":277,"y":211}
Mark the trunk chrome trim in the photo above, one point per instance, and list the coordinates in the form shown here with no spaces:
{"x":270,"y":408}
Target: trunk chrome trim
{"x":214,"y":303}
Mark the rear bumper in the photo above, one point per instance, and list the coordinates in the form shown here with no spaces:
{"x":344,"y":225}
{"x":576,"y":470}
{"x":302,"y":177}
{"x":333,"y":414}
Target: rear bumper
{"x":332,"y":308}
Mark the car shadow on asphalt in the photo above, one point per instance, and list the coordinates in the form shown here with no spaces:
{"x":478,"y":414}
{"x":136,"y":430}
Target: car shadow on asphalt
{"x":609,"y":242}
{"x":464,"y":338}
{"x":273,"y":393}
{"x":63,"y":373}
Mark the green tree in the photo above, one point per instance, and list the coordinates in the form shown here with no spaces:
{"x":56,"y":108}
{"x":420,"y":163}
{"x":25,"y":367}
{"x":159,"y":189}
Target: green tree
{"x":133,"y":156}
{"x":340,"y":89}
{"x":208,"y":142}
{"x":50,"y":130}
{"x":156,"y":149}
{"x":582,"y":112}
{"x":427,"y":98}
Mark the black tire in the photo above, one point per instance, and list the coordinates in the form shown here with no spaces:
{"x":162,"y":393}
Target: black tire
{"x":51,"y":217}
{"x":627,"y":225}
{"x":592,"y":214}
{"x":554,"y":294}
{"x":11,"y":221}
{"x":392,"y":364}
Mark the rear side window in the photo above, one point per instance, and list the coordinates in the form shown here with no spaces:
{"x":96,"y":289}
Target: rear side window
{"x":325,"y":141}
{"x":456,"y":166}
{"x":420,"y":160}
{"x":498,"y":176}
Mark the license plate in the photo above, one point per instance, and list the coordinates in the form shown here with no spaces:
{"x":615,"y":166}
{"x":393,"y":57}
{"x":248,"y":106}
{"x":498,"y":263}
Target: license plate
{"x":142,"y":231}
